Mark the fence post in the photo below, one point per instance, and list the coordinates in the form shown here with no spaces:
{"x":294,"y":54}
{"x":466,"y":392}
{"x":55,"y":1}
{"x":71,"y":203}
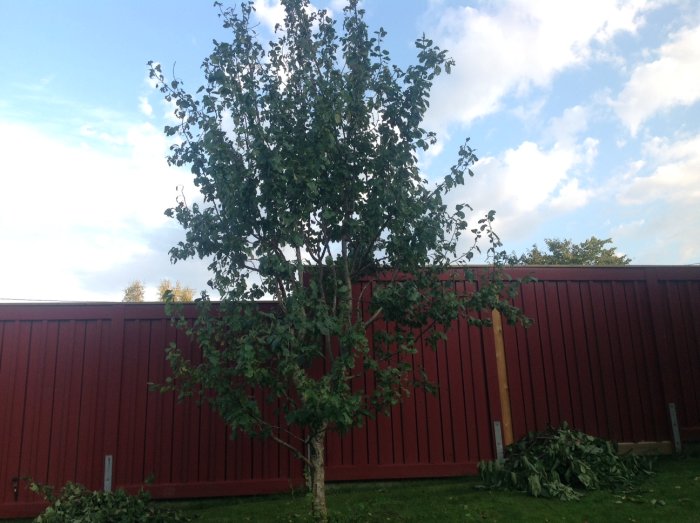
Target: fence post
{"x":502,"y":368}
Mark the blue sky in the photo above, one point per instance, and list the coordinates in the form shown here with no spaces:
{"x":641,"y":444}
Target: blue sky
{"x":585,"y":114}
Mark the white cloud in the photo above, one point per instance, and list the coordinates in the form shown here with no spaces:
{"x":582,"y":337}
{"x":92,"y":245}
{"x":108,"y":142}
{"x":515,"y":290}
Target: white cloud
{"x":534,"y":182}
{"x":145,"y":107}
{"x":530,"y":175}
{"x":675,"y":176}
{"x":337,"y":6}
{"x":673,"y":79}
{"x":633,"y":227}
{"x":529,"y":111}
{"x":571,"y":197}
{"x":665,"y":187}
{"x":84,"y":208}
{"x":270,"y":12}
{"x":518,"y":45}
{"x":590,"y":151}
{"x":567,"y":127}
{"x":521,"y":181}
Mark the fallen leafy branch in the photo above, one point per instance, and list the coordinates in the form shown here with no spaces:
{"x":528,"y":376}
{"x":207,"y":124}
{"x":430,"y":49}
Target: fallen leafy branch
{"x":560,"y":462}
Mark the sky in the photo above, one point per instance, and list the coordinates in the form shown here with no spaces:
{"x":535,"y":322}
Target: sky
{"x":585,"y":116}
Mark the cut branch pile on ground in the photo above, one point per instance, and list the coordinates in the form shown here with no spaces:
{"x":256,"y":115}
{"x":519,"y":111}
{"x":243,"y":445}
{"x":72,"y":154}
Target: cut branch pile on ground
{"x":561,"y":462}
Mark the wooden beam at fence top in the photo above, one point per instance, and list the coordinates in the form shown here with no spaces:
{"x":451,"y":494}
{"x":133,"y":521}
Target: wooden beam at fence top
{"x":503,"y":390}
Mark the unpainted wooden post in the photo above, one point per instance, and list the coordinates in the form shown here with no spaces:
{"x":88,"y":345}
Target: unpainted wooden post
{"x":501,"y":366}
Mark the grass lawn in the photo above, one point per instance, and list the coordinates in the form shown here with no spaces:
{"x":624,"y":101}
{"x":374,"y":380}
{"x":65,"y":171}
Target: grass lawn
{"x":672,"y":494}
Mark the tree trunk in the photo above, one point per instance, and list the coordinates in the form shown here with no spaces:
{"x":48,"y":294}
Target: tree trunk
{"x":318,"y":475}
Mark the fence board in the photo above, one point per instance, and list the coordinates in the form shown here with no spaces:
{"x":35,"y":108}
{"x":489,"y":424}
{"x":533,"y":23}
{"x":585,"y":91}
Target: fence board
{"x":456,"y":378}
{"x":572,"y":404}
{"x":631,"y":359}
{"x":15,"y":367}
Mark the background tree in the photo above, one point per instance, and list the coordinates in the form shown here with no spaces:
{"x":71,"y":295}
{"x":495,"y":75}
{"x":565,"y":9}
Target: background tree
{"x":177,"y":292}
{"x":305,"y":151}
{"x":134,"y":292}
{"x":564,"y":252}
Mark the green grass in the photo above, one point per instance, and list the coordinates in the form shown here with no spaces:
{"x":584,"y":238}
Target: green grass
{"x":672,"y":494}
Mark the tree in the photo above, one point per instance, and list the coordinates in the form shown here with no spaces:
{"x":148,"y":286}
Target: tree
{"x":564,"y":252}
{"x":305,"y":151}
{"x":134,"y":292}
{"x":177,"y":292}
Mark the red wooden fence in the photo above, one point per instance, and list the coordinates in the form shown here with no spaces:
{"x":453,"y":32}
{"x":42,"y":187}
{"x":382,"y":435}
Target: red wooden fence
{"x":74,"y":389}
{"x":610,"y":349}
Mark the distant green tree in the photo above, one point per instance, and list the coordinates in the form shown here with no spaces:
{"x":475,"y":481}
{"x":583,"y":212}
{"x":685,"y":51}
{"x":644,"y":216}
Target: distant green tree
{"x":134,"y":292}
{"x":177,"y":292}
{"x":592,"y":251}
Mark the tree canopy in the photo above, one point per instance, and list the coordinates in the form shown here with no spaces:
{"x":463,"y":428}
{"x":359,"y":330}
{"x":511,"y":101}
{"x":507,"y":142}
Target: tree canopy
{"x":592,"y":251}
{"x":305,"y":152}
{"x":177,"y":292}
{"x":134,"y":293}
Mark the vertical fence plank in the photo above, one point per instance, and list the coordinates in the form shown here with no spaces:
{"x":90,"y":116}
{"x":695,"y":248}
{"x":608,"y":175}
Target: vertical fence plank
{"x":433,"y":428}
{"x":13,"y":372}
{"x":559,"y":354}
{"x":691,"y":313}
{"x":647,"y":368}
{"x":88,"y":446}
{"x":40,"y":403}
{"x":618,"y":364}
{"x":545,"y":348}
{"x":681,"y":350}
{"x":444,"y":355}
{"x":66,"y":403}
{"x":600,"y":365}
{"x":456,"y":392}
{"x":409,"y":417}
{"x":113,"y":369}
{"x":577,"y":418}
{"x":660,"y":320}
{"x":584,"y":361}
{"x":154,"y":399}
{"x":124,"y":458}
{"x":631,"y":360}
{"x":535,"y":368}
{"x":482,"y":419}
